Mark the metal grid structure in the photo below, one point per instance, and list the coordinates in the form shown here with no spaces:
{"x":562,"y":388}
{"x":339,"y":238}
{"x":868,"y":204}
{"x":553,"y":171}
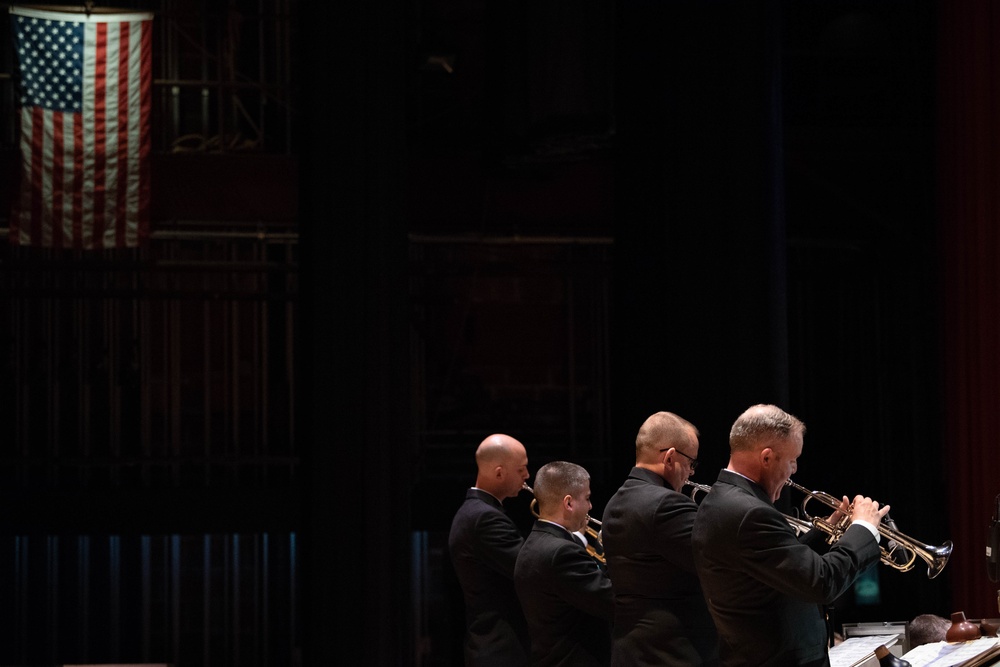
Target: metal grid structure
{"x":204,"y":600}
{"x":222,"y":75}
{"x":156,"y":372}
{"x":172,"y":370}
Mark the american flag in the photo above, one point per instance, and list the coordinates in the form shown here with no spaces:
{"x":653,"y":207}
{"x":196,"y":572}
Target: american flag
{"x":85,"y":94}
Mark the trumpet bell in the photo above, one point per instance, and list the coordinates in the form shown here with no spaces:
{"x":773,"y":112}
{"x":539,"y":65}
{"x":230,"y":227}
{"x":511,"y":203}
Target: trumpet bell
{"x":935,"y":557}
{"x":941,"y":556}
{"x":898,"y":551}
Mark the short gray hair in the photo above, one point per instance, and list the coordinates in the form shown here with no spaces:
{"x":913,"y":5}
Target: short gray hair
{"x":763,"y":423}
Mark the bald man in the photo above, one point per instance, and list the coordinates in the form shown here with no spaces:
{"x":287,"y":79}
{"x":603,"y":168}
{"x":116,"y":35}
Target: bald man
{"x":765,"y":585}
{"x":484,"y":543}
{"x":660,"y":615}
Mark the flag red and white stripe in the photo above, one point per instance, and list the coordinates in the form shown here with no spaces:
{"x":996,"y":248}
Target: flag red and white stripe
{"x":85,"y":96}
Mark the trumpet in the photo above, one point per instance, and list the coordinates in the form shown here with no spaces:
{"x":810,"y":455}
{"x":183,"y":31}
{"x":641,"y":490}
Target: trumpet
{"x":799,"y":525}
{"x":593,"y":534}
{"x":697,"y":488}
{"x":901,"y":551}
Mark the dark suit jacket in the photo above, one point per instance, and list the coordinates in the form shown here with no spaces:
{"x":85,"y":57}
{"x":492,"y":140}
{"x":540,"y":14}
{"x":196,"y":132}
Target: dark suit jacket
{"x":765,"y":587}
{"x":566,"y":598}
{"x":483,"y":544}
{"x":660,"y":613}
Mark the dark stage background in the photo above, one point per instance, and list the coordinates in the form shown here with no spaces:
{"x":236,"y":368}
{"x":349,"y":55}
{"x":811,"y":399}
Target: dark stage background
{"x":458,"y":218}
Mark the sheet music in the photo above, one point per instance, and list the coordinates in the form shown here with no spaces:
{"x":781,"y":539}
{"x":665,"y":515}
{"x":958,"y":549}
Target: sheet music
{"x":943,"y":654}
{"x":856,"y":650}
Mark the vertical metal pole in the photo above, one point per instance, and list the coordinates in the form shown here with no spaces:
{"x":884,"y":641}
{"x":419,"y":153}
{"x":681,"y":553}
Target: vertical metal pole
{"x":264,"y":596}
{"x":114,"y":594}
{"x":570,"y":295}
{"x":206,"y":127}
{"x":52,"y":389}
{"x":235,"y":351}
{"x":207,"y":375}
{"x":174,"y":381}
{"x":262,"y":73}
{"x":226,"y":597}
{"x":145,"y":360}
{"x":79,"y":323}
{"x":111,"y":343}
{"x":83,"y":601}
{"x":20,"y":399}
{"x":290,"y":377}
{"x":146,"y":596}
{"x":223,"y":77}
{"x":293,"y":595}
{"x":262,"y":362}
{"x":52,"y":594}
{"x":175,"y":595}
{"x":21,"y":596}
{"x":206,"y":601}
{"x":86,"y":390}
{"x":170,"y":61}
{"x":286,"y":9}
{"x":236,"y":634}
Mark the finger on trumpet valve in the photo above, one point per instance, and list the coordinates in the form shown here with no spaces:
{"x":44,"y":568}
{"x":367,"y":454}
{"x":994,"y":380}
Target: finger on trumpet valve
{"x":899,"y":551}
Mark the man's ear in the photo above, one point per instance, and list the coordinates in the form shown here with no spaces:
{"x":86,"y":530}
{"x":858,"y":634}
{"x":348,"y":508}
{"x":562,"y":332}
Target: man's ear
{"x":567,"y":502}
{"x":766,"y":456}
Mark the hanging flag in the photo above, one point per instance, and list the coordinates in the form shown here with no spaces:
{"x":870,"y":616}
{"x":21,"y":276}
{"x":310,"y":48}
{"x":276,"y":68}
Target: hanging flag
{"x":85,"y":87}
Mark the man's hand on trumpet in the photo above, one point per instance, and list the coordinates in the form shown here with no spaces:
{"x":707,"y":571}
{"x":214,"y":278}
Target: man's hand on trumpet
{"x":839,"y":514}
{"x":863,"y":509}
{"x":866,"y":509}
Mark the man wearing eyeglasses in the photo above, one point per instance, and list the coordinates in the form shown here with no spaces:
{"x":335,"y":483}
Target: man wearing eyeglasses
{"x":660,"y":613}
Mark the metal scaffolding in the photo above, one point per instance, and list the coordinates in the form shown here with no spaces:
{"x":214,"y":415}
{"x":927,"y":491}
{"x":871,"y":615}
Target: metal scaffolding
{"x":222,"y":76}
{"x":145,"y":378}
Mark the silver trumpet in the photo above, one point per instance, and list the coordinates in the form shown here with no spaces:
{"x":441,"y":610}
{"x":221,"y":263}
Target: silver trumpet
{"x":799,"y":525}
{"x":697,"y":488}
{"x":900,"y":551}
{"x":593,"y":534}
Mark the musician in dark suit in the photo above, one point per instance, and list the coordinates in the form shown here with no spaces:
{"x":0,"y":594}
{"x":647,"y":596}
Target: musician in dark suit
{"x":483,"y":545}
{"x":660,"y":613}
{"x":764,"y":585}
{"x":565,"y":595}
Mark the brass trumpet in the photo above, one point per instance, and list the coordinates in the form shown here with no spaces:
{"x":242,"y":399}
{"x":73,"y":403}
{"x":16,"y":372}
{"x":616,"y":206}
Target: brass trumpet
{"x":901,"y":551}
{"x":593,"y":535}
{"x":799,"y":525}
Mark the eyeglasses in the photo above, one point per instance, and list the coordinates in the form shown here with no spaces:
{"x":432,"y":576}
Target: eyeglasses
{"x":694,"y":461}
